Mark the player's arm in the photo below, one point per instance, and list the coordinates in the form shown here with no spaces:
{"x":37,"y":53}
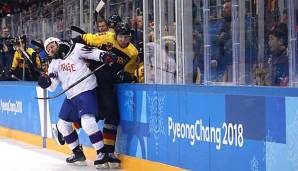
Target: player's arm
{"x":87,"y":52}
{"x":51,"y":80}
{"x":89,"y":39}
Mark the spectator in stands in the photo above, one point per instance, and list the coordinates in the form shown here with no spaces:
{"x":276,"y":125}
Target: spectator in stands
{"x":22,"y":67}
{"x":137,"y":40}
{"x":223,"y":61}
{"x":137,"y":30}
{"x":285,"y":17}
{"x":198,"y":60}
{"x":278,"y":62}
{"x":6,"y":52}
{"x":102,"y":25}
{"x":225,"y":43}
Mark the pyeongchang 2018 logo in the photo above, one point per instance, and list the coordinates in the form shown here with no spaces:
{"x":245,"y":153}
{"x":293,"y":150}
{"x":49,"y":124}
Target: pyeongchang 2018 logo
{"x":230,"y":134}
{"x":10,"y":106}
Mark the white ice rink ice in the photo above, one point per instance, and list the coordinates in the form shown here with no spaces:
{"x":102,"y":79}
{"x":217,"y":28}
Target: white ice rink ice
{"x":18,"y":156}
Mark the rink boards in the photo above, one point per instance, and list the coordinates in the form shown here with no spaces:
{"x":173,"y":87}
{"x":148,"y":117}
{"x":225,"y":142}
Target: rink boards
{"x":189,"y":127}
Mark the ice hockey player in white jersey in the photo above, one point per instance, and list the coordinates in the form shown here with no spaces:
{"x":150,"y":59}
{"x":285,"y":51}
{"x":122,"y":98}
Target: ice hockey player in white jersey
{"x":67,"y":66}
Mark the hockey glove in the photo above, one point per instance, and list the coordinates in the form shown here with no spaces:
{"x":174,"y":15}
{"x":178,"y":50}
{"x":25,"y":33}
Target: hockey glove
{"x":53,"y":75}
{"x":44,"y":81}
{"x":108,"y":57}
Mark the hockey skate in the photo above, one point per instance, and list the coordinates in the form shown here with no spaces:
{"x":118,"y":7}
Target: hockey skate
{"x":77,"y":157}
{"x":113,"y":161}
{"x":101,"y":161}
{"x":58,"y":137}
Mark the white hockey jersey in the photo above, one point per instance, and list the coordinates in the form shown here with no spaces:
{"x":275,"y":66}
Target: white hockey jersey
{"x":72,"y":68}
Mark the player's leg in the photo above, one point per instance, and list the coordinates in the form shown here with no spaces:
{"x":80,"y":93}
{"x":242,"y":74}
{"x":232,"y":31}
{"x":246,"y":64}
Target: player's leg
{"x":89,"y":125}
{"x":109,"y":104}
{"x":58,"y":137}
{"x":70,"y":135}
{"x":88,"y":109}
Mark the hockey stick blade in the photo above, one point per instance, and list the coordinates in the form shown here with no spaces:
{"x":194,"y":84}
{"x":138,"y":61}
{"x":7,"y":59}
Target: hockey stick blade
{"x":99,"y":6}
{"x":77,"y":29}
{"x":35,"y":43}
{"x":74,"y":84}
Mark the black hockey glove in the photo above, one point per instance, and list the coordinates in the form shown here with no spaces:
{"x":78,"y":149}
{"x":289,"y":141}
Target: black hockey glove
{"x":108,"y":57}
{"x":125,"y":77}
{"x":44,"y":81}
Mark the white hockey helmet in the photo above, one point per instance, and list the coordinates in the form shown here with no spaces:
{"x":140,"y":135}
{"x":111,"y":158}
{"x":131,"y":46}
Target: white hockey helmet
{"x":50,"y":40}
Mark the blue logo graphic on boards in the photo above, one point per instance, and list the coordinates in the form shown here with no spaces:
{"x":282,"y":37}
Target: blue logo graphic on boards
{"x":156,"y":107}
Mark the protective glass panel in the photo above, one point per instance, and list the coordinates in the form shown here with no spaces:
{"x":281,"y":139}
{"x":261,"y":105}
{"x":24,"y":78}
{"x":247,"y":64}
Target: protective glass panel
{"x":251,"y":23}
{"x":293,"y":43}
{"x":72,"y":17}
{"x":220,"y":37}
{"x":86,"y":25}
{"x":167,"y":43}
{"x":33,"y":26}
{"x":150,"y":42}
{"x":272,"y":62}
{"x":197,"y":41}
{"x":16,"y":29}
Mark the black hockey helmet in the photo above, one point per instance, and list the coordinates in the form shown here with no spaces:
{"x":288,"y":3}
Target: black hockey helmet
{"x":113,"y":20}
{"x":122,"y":29}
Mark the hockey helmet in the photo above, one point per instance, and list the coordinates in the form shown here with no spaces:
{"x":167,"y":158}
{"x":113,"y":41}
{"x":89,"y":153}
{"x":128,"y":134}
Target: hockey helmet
{"x":50,"y":40}
{"x":122,"y":29}
{"x":113,"y":20}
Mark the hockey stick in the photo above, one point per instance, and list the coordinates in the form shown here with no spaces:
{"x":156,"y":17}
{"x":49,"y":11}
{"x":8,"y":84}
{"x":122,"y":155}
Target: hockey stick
{"x":99,"y":6}
{"x":77,"y":29}
{"x":15,"y":77}
{"x":74,"y":84}
{"x":35,"y":43}
{"x":26,"y":55}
